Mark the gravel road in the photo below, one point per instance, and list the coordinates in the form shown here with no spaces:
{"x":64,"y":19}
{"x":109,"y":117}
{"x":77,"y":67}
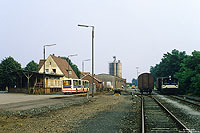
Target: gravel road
{"x":103,"y":113}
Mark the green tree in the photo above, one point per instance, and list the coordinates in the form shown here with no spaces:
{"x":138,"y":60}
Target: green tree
{"x":189,"y":74}
{"x":7,"y":66}
{"x":134,"y":81}
{"x":169,"y":65}
{"x":32,"y":66}
{"x":74,"y":67}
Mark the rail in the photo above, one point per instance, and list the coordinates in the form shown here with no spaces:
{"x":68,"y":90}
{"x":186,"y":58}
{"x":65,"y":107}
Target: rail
{"x":142,"y":114}
{"x":177,"y":97}
{"x":182,"y":126}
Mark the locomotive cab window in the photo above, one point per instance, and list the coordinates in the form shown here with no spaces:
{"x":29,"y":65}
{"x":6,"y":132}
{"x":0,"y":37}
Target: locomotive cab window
{"x":165,"y":81}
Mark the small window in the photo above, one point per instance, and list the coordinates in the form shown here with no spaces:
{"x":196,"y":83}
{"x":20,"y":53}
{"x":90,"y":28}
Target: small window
{"x":49,"y":63}
{"x":47,"y":70}
{"x":70,"y":72}
{"x":54,"y":70}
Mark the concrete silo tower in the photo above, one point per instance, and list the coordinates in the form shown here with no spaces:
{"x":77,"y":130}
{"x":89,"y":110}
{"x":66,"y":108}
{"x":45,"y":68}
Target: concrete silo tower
{"x":115,"y":68}
{"x":119,"y":69}
{"x":112,"y":67}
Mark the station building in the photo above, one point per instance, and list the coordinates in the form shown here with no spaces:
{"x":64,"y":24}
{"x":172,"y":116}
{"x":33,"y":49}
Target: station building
{"x":56,"y":68}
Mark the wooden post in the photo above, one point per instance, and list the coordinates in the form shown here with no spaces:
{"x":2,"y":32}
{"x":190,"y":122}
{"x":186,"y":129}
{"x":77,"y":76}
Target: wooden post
{"x":28,"y":76}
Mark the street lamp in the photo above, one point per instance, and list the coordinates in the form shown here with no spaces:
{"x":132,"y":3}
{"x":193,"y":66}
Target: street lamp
{"x":48,"y":45}
{"x":137,"y":75}
{"x":68,"y":61}
{"x":92,"y":55}
{"x":83,"y":64}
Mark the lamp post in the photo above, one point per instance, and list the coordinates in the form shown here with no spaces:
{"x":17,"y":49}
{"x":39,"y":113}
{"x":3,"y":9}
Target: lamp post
{"x":68,"y":61}
{"x":48,"y":45}
{"x":83,"y":64}
{"x":87,"y":26}
{"x":137,"y":75}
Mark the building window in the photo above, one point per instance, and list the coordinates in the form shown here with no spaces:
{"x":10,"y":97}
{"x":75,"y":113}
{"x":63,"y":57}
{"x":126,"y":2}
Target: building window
{"x":69,"y":71}
{"x":47,"y":70}
{"x":49,"y":63}
{"x":54,"y":70}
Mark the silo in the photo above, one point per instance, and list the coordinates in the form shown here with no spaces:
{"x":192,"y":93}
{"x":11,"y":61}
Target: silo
{"x":111,"y":68}
{"x":119,"y":69}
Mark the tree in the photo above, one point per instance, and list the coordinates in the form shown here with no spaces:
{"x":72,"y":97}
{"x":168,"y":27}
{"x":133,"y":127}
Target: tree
{"x":32,"y":66}
{"x":74,"y":67}
{"x":7,"y":66}
{"x":169,"y":65}
{"x":189,"y":74}
{"x":134,"y":81}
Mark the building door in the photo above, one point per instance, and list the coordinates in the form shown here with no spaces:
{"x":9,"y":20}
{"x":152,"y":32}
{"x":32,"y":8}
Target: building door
{"x":47,"y":81}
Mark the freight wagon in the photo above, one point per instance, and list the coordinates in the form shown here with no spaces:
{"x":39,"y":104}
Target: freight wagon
{"x":145,"y":83}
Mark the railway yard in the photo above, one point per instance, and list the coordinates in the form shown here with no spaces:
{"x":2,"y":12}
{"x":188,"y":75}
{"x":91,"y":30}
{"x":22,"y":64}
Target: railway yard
{"x":106,"y":112}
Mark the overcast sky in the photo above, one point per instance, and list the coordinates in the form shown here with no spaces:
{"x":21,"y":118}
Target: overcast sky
{"x":137,"y":32}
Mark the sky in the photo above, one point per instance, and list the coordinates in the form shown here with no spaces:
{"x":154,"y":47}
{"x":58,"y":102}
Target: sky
{"x":137,"y":32}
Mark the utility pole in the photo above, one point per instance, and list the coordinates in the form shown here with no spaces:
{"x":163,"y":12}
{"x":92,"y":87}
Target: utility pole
{"x":83,"y":64}
{"x":68,"y":61}
{"x":114,"y":71}
{"x":92,"y":55}
{"x":137,"y":74}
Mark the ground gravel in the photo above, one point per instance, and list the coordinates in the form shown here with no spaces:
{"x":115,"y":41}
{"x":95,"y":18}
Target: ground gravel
{"x":115,"y":113}
{"x":188,"y":115}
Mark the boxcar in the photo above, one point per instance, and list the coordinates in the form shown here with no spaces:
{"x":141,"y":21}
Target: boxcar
{"x":145,"y":83}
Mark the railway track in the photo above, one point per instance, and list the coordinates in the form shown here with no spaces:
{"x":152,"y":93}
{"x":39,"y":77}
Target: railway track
{"x":157,"y":118}
{"x":188,"y":100}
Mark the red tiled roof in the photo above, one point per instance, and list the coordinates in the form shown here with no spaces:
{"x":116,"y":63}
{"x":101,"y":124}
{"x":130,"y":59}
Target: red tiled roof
{"x":63,"y":65}
{"x":95,"y":78}
{"x":40,"y":64}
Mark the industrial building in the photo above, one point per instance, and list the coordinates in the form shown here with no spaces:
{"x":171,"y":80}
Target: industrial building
{"x":110,"y":82}
{"x":115,"y":68}
{"x":114,"y":78}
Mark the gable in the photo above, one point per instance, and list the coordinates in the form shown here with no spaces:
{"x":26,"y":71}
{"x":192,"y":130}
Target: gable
{"x":60,"y":65}
{"x":51,"y":66}
{"x":89,"y":77}
{"x":64,"y":67}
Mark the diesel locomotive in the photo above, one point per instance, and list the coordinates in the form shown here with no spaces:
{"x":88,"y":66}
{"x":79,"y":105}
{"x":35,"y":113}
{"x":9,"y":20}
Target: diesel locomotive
{"x":167,"y":85}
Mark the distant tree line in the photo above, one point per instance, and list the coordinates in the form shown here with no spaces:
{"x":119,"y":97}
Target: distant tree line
{"x":8,"y":66}
{"x":182,"y":66}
